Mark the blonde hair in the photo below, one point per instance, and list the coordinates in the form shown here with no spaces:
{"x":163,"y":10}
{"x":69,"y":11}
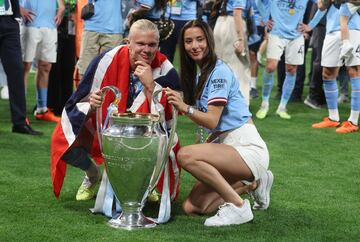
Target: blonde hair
{"x":144,"y":25}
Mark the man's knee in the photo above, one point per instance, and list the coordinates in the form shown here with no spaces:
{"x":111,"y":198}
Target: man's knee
{"x":27,"y":66}
{"x":271,"y":65}
{"x":77,"y":157}
{"x":329,"y":73}
{"x":291,"y":69}
{"x":354,"y":71}
{"x":44,"y":67}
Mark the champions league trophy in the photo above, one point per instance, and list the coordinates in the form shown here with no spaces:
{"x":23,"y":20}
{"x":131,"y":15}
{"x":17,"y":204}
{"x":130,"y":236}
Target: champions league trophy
{"x":136,"y":147}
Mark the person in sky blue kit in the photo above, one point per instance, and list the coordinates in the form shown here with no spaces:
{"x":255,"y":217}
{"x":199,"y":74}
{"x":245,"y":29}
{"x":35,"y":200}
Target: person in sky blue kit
{"x":350,"y":9}
{"x":253,"y":51}
{"x":148,"y":9}
{"x":39,"y":41}
{"x":180,"y":11}
{"x":331,"y":61}
{"x":284,"y":37}
{"x":234,"y":154}
{"x":231,"y":39}
{"x":103,"y":31}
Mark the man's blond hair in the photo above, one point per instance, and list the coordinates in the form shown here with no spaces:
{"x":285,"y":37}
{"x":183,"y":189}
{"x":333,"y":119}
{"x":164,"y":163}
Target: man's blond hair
{"x":144,"y":25}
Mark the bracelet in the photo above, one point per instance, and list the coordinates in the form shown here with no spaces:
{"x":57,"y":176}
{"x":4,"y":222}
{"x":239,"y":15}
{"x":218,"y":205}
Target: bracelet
{"x":190,"y":111}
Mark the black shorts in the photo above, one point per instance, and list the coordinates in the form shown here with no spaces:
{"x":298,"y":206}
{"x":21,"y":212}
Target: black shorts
{"x":255,"y":47}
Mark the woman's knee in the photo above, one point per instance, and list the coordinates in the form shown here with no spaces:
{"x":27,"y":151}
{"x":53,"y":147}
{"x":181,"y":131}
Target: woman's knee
{"x":184,"y":156}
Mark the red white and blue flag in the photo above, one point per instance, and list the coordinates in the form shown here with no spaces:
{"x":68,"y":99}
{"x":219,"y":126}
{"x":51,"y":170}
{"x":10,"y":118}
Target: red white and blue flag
{"x":78,"y":124}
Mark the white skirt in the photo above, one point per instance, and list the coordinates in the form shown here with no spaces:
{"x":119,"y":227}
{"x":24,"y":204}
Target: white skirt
{"x":251,"y":147}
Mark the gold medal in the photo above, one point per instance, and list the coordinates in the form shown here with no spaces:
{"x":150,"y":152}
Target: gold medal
{"x":292,"y":11}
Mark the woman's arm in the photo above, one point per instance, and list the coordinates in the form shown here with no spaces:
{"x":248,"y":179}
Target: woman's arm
{"x":239,"y":27}
{"x":209,"y":120}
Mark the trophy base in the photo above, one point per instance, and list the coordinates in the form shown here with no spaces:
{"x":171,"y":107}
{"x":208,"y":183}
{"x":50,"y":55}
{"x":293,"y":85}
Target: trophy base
{"x":132,"y":221}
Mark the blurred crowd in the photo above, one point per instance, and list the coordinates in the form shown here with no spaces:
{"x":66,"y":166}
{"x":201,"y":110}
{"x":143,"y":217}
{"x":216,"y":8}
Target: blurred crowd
{"x":59,"y":39}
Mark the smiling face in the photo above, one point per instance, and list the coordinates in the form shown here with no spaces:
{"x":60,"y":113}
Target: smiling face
{"x":195,"y":44}
{"x":143,"y":46}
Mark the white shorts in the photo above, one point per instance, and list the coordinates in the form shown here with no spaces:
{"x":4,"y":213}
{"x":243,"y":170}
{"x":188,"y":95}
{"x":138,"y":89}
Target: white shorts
{"x":251,"y":147}
{"x":39,"y":43}
{"x":294,"y":49}
{"x":332,"y":47}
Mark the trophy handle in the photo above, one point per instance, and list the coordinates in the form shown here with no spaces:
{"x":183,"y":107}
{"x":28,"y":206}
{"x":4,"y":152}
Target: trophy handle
{"x":155,"y":177}
{"x":113,"y":106}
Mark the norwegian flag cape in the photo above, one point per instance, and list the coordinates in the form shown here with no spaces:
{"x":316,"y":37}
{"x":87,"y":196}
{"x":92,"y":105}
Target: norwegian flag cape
{"x":78,"y":124}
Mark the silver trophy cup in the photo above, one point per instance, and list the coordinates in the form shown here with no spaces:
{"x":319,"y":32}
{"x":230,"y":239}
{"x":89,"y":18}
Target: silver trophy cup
{"x":135,"y":147}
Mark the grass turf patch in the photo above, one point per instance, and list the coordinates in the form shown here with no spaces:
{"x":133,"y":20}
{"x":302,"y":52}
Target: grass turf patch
{"x":314,"y":197}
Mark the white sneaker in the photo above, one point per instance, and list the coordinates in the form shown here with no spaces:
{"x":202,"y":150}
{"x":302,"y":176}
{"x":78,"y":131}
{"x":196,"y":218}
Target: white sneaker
{"x":346,"y":50}
{"x":4,"y":94}
{"x":262,"y":193}
{"x":229,"y":214}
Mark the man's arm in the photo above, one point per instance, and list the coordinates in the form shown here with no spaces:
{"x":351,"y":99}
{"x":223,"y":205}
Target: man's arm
{"x":60,"y":12}
{"x":305,"y":28}
{"x":27,"y":14}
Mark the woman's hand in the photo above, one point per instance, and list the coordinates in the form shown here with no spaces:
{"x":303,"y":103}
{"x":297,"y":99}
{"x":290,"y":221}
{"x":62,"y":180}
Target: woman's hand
{"x":175,"y":99}
{"x":95,"y":100}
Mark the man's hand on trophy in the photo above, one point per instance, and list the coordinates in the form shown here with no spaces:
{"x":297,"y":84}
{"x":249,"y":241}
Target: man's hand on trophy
{"x":95,"y":99}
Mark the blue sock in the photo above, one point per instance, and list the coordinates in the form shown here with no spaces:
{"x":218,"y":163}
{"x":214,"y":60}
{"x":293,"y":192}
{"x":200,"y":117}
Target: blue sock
{"x":42,"y":97}
{"x":287,"y":88}
{"x":355,"y":93}
{"x":268,"y":80}
{"x":331,"y":93}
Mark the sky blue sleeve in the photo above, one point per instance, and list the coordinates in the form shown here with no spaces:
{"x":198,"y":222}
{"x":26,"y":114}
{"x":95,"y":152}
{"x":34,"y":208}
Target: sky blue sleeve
{"x":239,"y":4}
{"x":219,"y":87}
{"x":317,"y":17}
{"x":146,"y":3}
{"x":264,"y":9}
{"x":344,"y":10}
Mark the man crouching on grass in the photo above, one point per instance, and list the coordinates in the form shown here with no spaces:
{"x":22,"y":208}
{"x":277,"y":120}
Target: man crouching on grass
{"x":138,"y":63}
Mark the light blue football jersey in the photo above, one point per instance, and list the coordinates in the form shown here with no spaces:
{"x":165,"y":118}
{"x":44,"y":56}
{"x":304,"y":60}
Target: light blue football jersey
{"x":222,"y":87}
{"x":45,"y":11}
{"x":153,"y":13}
{"x":107,"y":18}
{"x":286,"y":16}
{"x":333,"y":19}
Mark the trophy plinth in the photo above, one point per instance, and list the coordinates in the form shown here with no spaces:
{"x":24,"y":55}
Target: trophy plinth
{"x":131,"y":218}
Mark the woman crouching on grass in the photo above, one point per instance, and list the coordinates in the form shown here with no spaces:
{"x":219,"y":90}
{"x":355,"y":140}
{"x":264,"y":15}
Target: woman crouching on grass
{"x":234,"y":152}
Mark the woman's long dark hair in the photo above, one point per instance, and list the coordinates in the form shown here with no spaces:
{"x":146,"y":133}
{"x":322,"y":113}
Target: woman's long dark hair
{"x":188,"y":69}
